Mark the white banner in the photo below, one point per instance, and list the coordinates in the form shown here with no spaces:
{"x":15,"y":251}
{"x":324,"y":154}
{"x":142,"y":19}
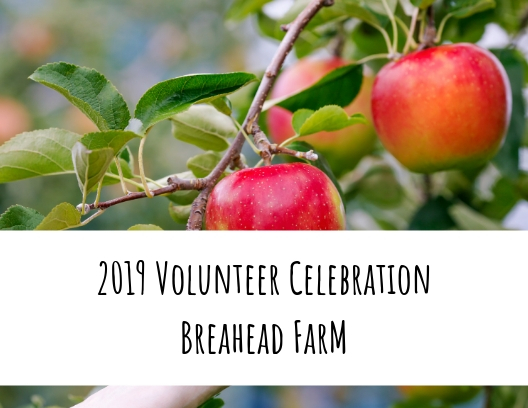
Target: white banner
{"x":282,"y":308}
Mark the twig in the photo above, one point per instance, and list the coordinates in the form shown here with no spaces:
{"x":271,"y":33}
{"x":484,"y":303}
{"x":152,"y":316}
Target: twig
{"x":310,"y":155}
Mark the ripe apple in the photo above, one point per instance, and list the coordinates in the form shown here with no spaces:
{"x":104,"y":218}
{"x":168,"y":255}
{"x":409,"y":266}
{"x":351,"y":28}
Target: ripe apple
{"x":292,"y":196}
{"x":343,"y":148}
{"x":450,"y":393}
{"x":14,"y":119}
{"x":442,"y":108}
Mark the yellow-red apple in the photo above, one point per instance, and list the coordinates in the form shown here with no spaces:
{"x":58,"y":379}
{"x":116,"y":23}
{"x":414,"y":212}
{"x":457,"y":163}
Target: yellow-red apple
{"x":442,"y":108}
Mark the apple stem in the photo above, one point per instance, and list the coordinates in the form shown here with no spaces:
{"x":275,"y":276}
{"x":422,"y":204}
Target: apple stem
{"x":339,"y":42}
{"x":428,"y":187}
{"x":390,"y":14}
{"x":429,"y":35}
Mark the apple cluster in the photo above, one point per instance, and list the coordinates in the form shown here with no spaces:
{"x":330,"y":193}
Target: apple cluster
{"x":441,"y":108}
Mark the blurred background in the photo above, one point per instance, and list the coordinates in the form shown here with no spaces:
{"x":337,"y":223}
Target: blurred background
{"x":137,"y":44}
{"x":244,"y":397}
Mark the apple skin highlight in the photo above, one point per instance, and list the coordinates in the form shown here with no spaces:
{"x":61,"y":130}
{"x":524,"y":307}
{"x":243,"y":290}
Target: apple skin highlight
{"x":294,"y":196}
{"x":344,"y":148}
{"x":442,"y":108}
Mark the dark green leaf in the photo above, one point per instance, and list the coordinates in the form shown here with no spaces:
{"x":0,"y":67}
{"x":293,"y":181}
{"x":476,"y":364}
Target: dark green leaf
{"x":352,"y":8}
{"x":90,"y":166}
{"x":320,"y":163}
{"x":18,"y":218}
{"x":434,"y":215}
{"x":339,"y":87}
{"x":213,"y":403}
{"x":63,"y":216}
{"x":507,"y":160}
{"x":38,"y":153}
{"x":89,"y":90}
{"x":177,"y":95}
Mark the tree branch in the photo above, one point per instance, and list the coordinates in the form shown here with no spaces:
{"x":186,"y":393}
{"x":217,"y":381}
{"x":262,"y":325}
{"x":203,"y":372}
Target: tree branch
{"x":250,"y":125}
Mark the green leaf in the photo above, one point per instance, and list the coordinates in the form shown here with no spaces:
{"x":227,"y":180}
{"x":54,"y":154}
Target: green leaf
{"x":89,"y":90}
{"x":269,"y":27}
{"x":468,"y":219}
{"x":63,"y":216}
{"x":339,"y":87}
{"x":381,"y":187}
{"x":90,"y":166}
{"x":18,"y":218}
{"x":328,"y":118}
{"x":223,"y":105}
{"x":205,"y":127}
{"x":177,"y":95}
{"x":434,"y":215}
{"x":114,"y":139}
{"x":299,"y":117}
{"x":507,"y":159}
{"x":320,"y":163}
{"x":180,"y":213}
{"x":466,"y":8}
{"x":203,"y":164}
{"x":38,"y":153}
{"x":145,"y":227}
{"x":240,"y":9}
{"x":423,"y":4}
{"x":377,"y":5}
{"x":213,"y":403}
{"x":352,"y":8}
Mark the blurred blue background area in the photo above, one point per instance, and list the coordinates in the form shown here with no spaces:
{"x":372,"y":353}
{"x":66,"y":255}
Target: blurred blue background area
{"x":247,"y":397}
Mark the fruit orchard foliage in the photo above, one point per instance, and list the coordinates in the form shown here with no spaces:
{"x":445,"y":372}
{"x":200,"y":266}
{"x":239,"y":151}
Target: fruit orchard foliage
{"x":443,"y":110}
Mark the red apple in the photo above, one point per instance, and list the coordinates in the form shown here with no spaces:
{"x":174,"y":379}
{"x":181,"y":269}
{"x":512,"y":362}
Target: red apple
{"x":343,"y":148}
{"x":293,"y":196}
{"x":442,"y":108}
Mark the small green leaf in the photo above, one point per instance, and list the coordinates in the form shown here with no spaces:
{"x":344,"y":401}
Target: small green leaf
{"x":299,"y":117}
{"x":18,"y":218}
{"x":507,"y":159}
{"x":377,"y":6}
{"x":205,"y":127}
{"x":145,"y":227}
{"x":468,"y":219}
{"x":329,"y":118}
{"x":38,"y":153}
{"x":63,"y":216}
{"x":89,"y":90}
{"x":339,"y":87}
{"x":223,"y":105}
{"x":114,"y":139}
{"x":240,"y":9}
{"x":177,"y":95}
{"x":466,"y":8}
{"x":213,"y":403}
{"x":203,"y":164}
{"x":320,"y":163}
{"x":434,"y":215}
{"x":90,"y":166}
{"x":423,"y":4}
{"x":180,"y":213}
